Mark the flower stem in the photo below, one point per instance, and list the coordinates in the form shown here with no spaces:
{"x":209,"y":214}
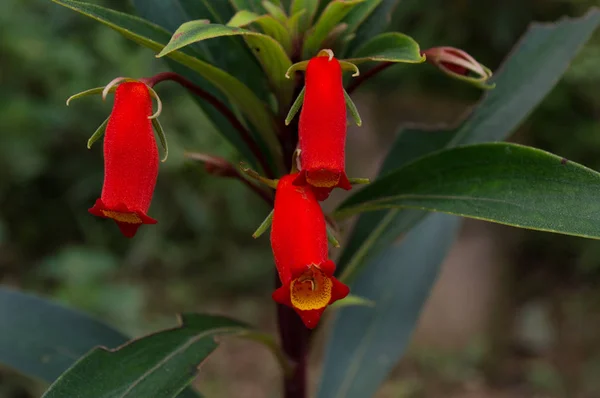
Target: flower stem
{"x":222,"y":168}
{"x":367,"y":75}
{"x":218,"y":105}
{"x":294,"y":340}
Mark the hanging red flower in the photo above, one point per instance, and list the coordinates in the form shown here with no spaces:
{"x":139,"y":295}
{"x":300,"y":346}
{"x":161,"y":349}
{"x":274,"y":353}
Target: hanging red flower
{"x":130,"y":160}
{"x":322,"y":127}
{"x":299,"y":243}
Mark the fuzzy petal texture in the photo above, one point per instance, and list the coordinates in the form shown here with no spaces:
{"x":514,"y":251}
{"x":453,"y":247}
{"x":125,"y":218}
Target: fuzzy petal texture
{"x":130,"y":160}
{"x":299,"y":243}
{"x":322,"y":128}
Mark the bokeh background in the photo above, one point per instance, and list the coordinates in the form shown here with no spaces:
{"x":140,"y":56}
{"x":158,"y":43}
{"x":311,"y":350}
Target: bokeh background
{"x":514,"y":314}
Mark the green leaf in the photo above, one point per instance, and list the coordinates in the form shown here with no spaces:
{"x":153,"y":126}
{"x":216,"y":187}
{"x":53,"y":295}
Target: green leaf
{"x":533,"y":68}
{"x":275,"y":11}
{"x":305,"y":19}
{"x":159,"y":365}
{"x":359,"y":14}
{"x":269,"y":25}
{"x":500,"y":182}
{"x":389,"y":47}
{"x":99,"y":133}
{"x":367,"y":341}
{"x":333,"y":14}
{"x":251,"y":5}
{"x":42,"y":339}
{"x":154,"y":37}
{"x":269,"y":52}
{"x":376,"y":23}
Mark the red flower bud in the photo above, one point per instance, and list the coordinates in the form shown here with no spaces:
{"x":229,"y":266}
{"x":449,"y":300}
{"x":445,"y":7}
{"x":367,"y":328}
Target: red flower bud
{"x":299,"y":243}
{"x":459,"y":64}
{"x":130,"y":160}
{"x":322,"y":128}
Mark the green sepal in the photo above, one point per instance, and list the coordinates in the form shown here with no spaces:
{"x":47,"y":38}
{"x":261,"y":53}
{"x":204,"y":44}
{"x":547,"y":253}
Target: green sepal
{"x":98,"y":133}
{"x":262,"y":228}
{"x":253,"y":174}
{"x":162,"y":138}
{"x":359,"y":181}
{"x":295,"y":107}
{"x":352,"y":300}
{"x":331,"y":238}
{"x":353,"y":110}
{"x":91,"y":91}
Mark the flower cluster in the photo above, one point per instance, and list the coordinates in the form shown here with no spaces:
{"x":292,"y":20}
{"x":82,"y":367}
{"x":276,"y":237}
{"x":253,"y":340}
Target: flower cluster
{"x":299,"y":232}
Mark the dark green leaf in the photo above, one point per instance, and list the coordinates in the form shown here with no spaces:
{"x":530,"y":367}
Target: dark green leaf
{"x":389,"y":47}
{"x":42,"y":339}
{"x":237,"y":60}
{"x":500,"y":182}
{"x":310,"y":7}
{"x":359,"y":14}
{"x":369,"y":340}
{"x":250,"y":5}
{"x":159,"y":365}
{"x":376,"y":23}
{"x":533,"y":68}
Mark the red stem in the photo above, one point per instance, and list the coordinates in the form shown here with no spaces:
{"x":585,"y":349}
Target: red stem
{"x":221,"y":167}
{"x":218,"y":105}
{"x":367,"y":75}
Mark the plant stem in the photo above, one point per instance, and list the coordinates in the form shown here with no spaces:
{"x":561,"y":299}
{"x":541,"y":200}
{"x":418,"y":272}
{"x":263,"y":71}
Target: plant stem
{"x":294,"y":341}
{"x":218,"y":105}
{"x":222,"y":168}
{"x":367,"y":75}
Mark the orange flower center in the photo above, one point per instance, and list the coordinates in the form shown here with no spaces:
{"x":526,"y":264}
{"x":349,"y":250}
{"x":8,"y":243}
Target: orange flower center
{"x":322,"y":178}
{"x":311,"y":291}
{"x":130,"y":218}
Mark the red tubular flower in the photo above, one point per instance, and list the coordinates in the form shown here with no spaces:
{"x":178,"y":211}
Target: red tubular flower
{"x":299,"y":243}
{"x":130,"y":160}
{"x":322,"y":128}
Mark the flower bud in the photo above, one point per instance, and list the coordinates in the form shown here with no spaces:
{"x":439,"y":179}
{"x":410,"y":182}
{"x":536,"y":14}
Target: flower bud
{"x":322,"y":127}
{"x":299,"y":243}
{"x":130,"y":160}
{"x":458,"y":64}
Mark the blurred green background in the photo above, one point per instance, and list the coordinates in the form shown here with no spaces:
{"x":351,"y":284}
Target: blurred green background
{"x":537,"y":334}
